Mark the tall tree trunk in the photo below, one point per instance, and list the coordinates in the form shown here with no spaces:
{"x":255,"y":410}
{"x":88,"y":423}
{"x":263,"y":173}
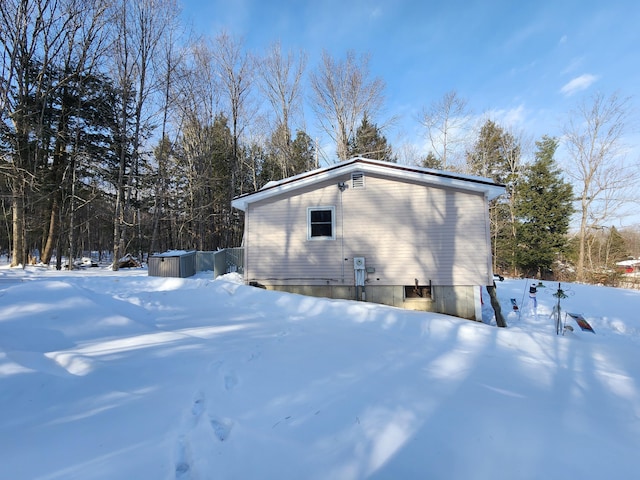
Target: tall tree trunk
{"x":52,"y":233}
{"x":57,"y":169}
{"x":18,"y":254}
{"x":117,"y":222}
{"x":72,"y":213}
{"x":582,"y":239}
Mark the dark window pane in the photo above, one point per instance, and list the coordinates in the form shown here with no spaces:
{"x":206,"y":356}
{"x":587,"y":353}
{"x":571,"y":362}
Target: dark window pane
{"x":321,"y":225}
{"x":320,"y":216}
{"x":321,"y":230}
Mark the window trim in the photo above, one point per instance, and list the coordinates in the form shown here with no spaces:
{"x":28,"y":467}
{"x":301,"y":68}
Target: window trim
{"x":330,"y":208}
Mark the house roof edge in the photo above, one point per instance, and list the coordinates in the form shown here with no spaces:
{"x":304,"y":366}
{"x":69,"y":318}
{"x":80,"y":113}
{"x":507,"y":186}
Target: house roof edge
{"x":428,"y":175}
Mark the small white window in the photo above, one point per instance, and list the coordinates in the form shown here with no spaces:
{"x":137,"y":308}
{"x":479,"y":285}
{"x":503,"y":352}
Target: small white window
{"x":357,"y":180}
{"x":321,"y":223}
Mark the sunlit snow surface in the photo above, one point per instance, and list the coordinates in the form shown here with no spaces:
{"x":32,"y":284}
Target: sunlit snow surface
{"x":117,"y":375}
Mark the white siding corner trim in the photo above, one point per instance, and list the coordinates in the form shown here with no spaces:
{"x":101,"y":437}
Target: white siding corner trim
{"x":477,"y":300}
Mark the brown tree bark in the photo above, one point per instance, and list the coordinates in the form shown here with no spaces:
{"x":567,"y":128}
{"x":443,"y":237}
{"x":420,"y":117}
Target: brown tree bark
{"x":495,"y":304}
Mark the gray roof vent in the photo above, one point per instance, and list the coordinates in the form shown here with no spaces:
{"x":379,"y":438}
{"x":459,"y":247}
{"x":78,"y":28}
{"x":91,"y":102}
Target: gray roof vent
{"x":357,"y":180}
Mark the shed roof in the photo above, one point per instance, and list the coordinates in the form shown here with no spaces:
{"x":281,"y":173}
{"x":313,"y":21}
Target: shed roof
{"x":175,"y":253}
{"x":427,"y":176}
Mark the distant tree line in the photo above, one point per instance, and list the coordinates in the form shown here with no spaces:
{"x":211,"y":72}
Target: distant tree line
{"x":121,"y":133}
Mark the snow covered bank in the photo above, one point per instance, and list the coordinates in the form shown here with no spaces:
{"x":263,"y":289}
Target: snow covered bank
{"x":109,"y":375}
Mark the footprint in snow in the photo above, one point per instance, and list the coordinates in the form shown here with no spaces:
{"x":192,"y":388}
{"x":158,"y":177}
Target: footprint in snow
{"x":182,"y":471}
{"x":230,"y":381}
{"x":221,"y":428}
{"x":182,"y":463}
{"x":229,"y":378}
{"x":198,"y":405}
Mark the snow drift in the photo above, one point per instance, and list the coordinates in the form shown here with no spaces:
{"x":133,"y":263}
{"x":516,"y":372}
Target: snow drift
{"x":109,"y":375}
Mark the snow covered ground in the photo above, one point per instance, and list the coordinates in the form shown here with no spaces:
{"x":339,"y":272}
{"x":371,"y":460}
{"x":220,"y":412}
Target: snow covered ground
{"x":117,"y":375}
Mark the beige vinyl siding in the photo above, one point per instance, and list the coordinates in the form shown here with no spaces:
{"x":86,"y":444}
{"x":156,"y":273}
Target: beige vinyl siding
{"x":279,"y":249}
{"x":408,"y":231}
{"x":405,"y":231}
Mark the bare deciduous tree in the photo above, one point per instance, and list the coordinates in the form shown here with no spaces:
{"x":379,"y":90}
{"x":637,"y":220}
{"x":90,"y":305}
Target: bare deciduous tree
{"x":203,"y":165}
{"x":594,"y":136}
{"x":197,"y":90}
{"x":343,"y":93}
{"x":234,"y":67}
{"x":446,"y":122}
{"x":170,"y":60}
{"x":281,"y":76}
{"x":139,"y":28}
{"x":409,"y":154}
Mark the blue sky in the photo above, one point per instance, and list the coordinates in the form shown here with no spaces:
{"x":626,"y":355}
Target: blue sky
{"x":524,"y":63}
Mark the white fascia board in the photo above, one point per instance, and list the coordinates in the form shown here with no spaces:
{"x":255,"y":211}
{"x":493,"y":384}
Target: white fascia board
{"x":403,"y":172}
{"x":438,"y":178}
{"x":283,"y":186}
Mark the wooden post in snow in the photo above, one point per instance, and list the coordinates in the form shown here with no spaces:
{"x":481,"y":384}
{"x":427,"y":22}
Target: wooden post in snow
{"x":495,"y":304}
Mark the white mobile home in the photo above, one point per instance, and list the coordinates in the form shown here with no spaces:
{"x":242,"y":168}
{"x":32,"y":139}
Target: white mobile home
{"x":377,"y":231}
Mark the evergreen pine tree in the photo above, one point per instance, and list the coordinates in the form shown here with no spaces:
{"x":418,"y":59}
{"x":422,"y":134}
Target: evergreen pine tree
{"x":496,"y":155}
{"x":302,"y":153}
{"x":370,"y":143}
{"x":492,"y":153}
{"x":301,"y":159}
{"x":617,"y":247}
{"x":543,"y":209}
{"x":431,"y":161}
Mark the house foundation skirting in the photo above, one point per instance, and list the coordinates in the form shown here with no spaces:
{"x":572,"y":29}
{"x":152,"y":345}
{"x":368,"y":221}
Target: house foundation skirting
{"x":460,"y":301}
